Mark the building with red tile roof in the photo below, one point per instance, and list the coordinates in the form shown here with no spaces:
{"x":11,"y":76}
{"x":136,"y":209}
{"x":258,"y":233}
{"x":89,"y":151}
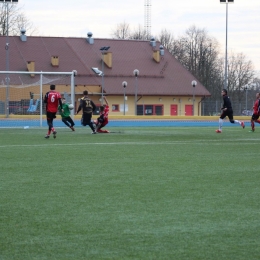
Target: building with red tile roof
{"x":163,"y":85}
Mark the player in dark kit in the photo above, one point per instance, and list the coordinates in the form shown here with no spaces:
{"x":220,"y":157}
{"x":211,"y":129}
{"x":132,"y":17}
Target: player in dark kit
{"x":227,"y":111}
{"x":87,"y":106}
{"x":256,"y":112}
{"x":52,"y":100}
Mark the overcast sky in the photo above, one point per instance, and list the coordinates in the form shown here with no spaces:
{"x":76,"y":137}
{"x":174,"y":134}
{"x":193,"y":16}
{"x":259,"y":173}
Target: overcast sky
{"x":77,"y":18}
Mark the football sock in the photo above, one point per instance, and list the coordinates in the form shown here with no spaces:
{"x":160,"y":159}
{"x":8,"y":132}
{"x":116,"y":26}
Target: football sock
{"x":92,"y":126}
{"x":220,"y":124}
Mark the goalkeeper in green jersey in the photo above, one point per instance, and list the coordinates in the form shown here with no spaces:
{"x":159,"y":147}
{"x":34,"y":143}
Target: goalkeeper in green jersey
{"x":65,"y":115}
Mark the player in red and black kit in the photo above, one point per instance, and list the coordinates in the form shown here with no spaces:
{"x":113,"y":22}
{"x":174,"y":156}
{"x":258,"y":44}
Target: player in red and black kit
{"x":227,"y":111}
{"x":88,"y":106}
{"x":52,"y":100}
{"x":103,"y":118}
{"x":256,"y":112}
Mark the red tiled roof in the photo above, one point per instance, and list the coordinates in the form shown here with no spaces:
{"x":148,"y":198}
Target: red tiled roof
{"x":168,"y":77}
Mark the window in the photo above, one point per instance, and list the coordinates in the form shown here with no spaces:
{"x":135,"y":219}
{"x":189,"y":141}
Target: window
{"x":115,"y":108}
{"x":159,"y":110}
{"x":150,"y":110}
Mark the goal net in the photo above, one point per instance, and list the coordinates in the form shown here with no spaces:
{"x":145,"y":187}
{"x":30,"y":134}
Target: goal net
{"x":22,"y":94}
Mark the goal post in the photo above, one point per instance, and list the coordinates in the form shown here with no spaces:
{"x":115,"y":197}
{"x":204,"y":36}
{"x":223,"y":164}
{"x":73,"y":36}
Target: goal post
{"x":22,"y":93}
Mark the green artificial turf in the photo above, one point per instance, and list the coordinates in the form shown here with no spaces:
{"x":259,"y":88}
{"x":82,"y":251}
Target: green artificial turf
{"x":138,"y":193}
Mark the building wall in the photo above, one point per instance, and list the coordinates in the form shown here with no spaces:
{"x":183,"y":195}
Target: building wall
{"x":166,"y":102}
{"x":18,"y":94}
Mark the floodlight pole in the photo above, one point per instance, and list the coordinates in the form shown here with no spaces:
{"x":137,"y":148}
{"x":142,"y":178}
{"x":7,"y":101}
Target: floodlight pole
{"x":103,"y":50}
{"x":193,"y":83}
{"x":102,"y":87}
{"x":246,"y":88}
{"x":124,"y":84}
{"x":226,"y":51}
{"x":136,"y":74}
{"x":7,"y":79}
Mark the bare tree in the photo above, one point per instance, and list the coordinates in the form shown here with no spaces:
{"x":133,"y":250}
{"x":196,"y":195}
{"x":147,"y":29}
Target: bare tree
{"x":12,"y":17}
{"x":240,"y":74}
{"x":199,"y":53}
{"x":256,"y":84}
{"x":240,"y":71}
{"x":6,"y":18}
{"x":23,"y":22}
{"x":166,"y":38}
{"x":139,"y":33}
{"x":122,"y":31}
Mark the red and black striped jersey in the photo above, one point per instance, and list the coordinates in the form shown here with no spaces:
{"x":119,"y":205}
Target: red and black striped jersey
{"x":256,"y":106}
{"x":52,"y":101}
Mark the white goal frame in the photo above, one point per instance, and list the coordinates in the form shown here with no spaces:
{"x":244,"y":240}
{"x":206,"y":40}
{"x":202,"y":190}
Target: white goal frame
{"x":72,"y":75}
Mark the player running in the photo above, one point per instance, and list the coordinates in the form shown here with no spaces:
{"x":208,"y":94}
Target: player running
{"x":227,"y":111}
{"x":256,"y":112}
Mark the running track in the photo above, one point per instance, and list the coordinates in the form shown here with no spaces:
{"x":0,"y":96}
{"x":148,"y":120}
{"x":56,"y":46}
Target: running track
{"x":120,"y":123}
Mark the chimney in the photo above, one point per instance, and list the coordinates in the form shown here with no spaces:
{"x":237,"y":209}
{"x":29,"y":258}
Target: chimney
{"x":55,"y":61}
{"x":153,"y":42}
{"x":90,"y":40}
{"x":161,"y":50}
{"x":31,"y":67}
{"x":23,"y":37}
{"x":156,"y":56}
{"x":108,"y":59}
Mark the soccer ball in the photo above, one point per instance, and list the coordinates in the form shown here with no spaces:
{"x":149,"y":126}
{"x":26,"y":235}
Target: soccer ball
{"x":71,"y":106}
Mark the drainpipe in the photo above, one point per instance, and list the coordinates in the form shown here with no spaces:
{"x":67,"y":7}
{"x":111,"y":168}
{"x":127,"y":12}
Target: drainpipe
{"x":199,"y":105}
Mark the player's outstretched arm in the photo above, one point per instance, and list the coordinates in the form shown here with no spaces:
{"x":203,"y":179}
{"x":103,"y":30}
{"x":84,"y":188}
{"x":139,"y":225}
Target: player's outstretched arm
{"x":60,"y":105}
{"x":79,"y":108}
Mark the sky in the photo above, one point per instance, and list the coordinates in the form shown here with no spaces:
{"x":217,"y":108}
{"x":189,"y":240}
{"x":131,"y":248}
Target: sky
{"x":68,"y":18}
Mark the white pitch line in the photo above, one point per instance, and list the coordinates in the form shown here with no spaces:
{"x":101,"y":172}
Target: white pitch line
{"x":198,"y":142}
{"x":79,"y":144}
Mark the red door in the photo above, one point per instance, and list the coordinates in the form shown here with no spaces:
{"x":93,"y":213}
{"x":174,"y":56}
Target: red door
{"x":188,"y":110}
{"x":174,"y":110}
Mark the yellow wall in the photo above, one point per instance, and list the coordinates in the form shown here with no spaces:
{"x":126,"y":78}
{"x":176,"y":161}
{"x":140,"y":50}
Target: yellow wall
{"x":151,"y":100}
{"x":16,"y":94}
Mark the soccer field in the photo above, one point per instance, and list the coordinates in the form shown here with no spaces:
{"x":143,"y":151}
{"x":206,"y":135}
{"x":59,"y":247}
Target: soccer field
{"x":137,"y":193}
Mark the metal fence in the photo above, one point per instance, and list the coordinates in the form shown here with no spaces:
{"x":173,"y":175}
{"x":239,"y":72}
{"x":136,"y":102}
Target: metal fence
{"x":212,"y":108}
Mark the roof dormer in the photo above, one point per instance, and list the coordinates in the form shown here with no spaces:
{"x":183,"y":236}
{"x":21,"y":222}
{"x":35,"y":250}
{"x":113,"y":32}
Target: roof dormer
{"x":107,"y":58}
{"x":31,"y":67}
{"x":55,"y":61}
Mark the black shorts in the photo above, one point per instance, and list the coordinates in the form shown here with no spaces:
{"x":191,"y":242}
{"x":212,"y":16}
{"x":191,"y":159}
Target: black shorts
{"x":255,"y":116}
{"x":86,"y":119}
{"x":228,"y":113}
{"x":100,"y":120}
{"x":50,"y":115}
